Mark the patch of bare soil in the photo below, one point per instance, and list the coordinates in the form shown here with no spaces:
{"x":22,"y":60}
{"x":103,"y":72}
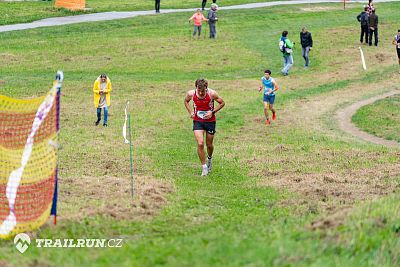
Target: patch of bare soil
{"x":319,"y":8}
{"x":111,"y":197}
{"x":7,"y":58}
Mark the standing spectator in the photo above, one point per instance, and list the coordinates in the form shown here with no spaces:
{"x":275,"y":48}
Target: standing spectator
{"x":212,"y":20}
{"x":102,"y":90}
{"x":198,"y":20}
{"x":286,"y":47}
{"x":306,"y":45}
{"x":373,"y":27}
{"x":158,"y":6}
{"x":396,"y":42}
{"x":363,"y":19}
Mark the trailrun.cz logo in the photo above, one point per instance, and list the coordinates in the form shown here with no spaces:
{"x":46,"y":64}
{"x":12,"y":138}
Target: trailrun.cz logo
{"x":22,"y":242}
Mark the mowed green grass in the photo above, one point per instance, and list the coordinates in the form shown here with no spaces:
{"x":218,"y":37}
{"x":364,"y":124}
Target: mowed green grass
{"x":21,"y":12}
{"x":228,"y":218}
{"x":381,"y":118}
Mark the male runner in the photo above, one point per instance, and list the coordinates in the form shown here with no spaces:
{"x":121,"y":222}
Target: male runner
{"x":203,"y":115}
{"x":270,"y":87}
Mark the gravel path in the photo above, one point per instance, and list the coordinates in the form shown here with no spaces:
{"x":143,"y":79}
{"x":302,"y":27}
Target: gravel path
{"x":122,"y":15}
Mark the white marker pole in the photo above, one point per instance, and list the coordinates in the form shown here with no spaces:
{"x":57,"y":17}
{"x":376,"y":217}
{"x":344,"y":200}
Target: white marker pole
{"x":363,"y":59}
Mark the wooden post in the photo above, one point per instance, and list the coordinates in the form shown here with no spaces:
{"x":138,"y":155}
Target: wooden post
{"x":71,"y":4}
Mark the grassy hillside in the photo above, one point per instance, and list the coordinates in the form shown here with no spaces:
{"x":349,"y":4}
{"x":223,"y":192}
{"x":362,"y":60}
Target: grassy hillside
{"x":298,"y":193}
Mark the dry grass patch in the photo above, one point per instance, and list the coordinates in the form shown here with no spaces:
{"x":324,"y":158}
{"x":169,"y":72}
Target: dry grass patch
{"x":111,"y":197}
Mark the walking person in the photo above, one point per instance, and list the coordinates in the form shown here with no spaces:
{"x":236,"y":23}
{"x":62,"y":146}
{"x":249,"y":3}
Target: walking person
{"x":270,"y":87}
{"x":204,"y":120}
{"x":102,"y":90}
{"x":157,"y":6}
{"x":212,"y":20}
{"x":373,"y":28}
{"x":306,"y":45}
{"x":363,"y":19}
{"x":396,"y":42}
{"x":198,"y":19}
{"x":286,"y":47}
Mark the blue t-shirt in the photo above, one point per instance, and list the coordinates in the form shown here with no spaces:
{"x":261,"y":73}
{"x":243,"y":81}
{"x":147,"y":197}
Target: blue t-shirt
{"x":268,"y":86}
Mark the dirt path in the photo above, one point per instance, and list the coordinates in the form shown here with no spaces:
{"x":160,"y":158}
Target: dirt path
{"x":344,"y":117}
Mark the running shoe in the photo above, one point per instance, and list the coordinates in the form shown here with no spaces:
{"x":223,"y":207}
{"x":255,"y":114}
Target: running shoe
{"x":205,"y":171}
{"x":267,"y":122}
{"x":274,"y":116}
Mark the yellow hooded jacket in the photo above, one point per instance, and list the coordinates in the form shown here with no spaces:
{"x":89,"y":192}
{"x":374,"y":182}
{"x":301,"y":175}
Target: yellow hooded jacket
{"x":96,"y":91}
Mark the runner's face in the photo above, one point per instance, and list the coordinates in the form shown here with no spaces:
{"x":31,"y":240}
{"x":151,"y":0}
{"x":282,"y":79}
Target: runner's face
{"x":103,"y":79}
{"x":201,"y":92}
{"x":267,"y":75}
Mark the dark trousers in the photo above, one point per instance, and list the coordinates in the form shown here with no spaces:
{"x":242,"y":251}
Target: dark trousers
{"x":203,"y":4}
{"x":158,"y":6}
{"x":213,"y":30}
{"x":364,"y":32}
{"x":375,"y":33}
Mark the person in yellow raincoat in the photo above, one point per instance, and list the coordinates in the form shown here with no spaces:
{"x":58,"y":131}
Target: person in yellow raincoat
{"x":101,"y":99}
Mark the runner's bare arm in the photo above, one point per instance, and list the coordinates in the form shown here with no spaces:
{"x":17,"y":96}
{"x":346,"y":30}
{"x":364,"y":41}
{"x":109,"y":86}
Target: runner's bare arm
{"x":188,"y":97}
{"x":261,"y":86}
{"x":220,"y":101}
{"x":276,"y":88}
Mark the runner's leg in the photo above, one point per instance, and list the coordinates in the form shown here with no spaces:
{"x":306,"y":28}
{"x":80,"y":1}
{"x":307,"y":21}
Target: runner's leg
{"x":209,"y":144}
{"x":266,"y":109}
{"x":199,"y":135}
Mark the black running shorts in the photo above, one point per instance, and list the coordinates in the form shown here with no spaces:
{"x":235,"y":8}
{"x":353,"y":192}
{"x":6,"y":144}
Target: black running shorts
{"x":209,"y":127}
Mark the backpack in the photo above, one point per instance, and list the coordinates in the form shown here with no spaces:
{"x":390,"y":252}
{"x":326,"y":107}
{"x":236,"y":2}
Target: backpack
{"x":282,"y":46}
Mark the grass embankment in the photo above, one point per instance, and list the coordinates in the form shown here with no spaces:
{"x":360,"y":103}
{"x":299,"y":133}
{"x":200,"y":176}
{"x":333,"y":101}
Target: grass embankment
{"x":269,"y":186}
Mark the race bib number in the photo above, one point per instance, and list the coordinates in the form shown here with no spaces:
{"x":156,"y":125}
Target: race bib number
{"x":202,"y":113}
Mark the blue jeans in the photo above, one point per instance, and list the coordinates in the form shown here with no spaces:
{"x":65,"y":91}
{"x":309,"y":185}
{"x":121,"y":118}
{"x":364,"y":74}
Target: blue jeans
{"x":105,"y":114}
{"x":304,"y":52}
{"x":287,"y":63}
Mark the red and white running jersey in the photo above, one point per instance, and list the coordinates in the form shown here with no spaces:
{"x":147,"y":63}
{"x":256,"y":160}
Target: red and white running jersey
{"x":203,"y":104}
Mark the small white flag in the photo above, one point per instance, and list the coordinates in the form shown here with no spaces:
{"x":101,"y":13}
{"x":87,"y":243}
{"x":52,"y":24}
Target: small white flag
{"x":124,"y":128}
{"x":363,"y":59}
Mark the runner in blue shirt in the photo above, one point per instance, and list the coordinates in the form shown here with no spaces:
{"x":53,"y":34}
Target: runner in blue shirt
{"x":270,"y":87}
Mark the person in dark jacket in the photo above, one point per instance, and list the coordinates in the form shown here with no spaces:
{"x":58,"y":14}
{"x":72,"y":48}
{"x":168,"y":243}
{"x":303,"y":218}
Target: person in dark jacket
{"x":373,"y":27}
{"x":212,"y":20}
{"x":363,"y":19}
{"x":306,"y":45}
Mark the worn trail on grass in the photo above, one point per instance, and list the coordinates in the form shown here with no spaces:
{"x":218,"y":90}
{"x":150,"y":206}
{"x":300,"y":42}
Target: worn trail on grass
{"x":344,"y":117}
{"x":104,"y":16}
